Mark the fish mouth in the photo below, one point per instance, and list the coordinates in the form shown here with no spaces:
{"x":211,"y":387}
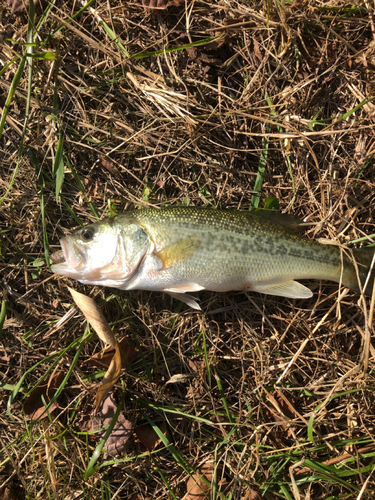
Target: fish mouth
{"x":67,"y":261}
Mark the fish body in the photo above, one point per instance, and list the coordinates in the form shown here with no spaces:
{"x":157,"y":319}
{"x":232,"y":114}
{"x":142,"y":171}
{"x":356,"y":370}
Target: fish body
{"x":187,"y":249}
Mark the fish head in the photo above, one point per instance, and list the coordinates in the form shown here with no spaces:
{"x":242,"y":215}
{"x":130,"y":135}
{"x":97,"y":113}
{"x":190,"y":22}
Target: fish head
{"x":106,"y":253}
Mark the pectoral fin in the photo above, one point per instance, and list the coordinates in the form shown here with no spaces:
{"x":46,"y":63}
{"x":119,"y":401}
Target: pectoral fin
{"x":291,"y":289}
{"x":177,"y":252}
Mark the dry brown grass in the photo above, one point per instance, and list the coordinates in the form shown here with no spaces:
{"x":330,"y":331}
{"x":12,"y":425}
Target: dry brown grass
{"x":278,"y":394}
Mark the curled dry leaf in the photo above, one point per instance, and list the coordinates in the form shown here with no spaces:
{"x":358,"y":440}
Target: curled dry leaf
{"x":162,"y":4}
{"x":128,"y":355}
{"x":146,"y":437}
{"x":110,"y":378}
{"x":94,"y":316}
{"x":121,"y":431}
{"x":34,"y":406}
{"x":96,"y":319}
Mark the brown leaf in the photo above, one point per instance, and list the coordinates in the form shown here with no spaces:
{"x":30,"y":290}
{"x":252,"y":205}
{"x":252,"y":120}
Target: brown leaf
{"x":146,"y":437}
{"x":103,"y":360}
{"x":4,"y":360}
{"x":162,"y":4}
{"x":94,"y":316}
{"x":33,"y":406}
{"x":180,"y":378}
{"x":121,"y":431}
{"x":254,"y":495}
{"x":197,"y":489}
{"x":196,"y":365}
{"x":21,"y":5}
{"x":109,"y":165}
{"x":257,"y":50}
{"x":110,"y":378}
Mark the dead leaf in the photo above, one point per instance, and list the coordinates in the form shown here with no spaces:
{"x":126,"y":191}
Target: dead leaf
{"x":4,"y":360}
{"x":121,"y":431}
{"x":254,"y":495}
{"x":197,"y":489}
{"x":162,"y":4}
{"x":196,"y":365}
{"x":110,"y":378}
{"x":34,"y":406}
{"x":94,"y":316}
{"x":12,"y":492}
{"x":180,"y":378}
{"x":257,"y":52}
{"x":102,"y":360}
{"x":21,"y":5}
{"x":74,"y":495}
{"x":96,"y":319}
{"x":109,"y":165}
{"x":146,"y":437}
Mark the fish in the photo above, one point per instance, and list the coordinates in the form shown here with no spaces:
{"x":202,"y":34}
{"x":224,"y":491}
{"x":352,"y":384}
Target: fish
{"x":179,"y":250}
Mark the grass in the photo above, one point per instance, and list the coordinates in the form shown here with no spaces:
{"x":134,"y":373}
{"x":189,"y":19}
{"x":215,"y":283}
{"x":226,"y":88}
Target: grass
{"x":234,"y":104}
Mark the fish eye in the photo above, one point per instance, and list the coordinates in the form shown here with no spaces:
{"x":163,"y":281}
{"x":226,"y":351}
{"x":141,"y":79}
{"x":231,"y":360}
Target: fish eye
{"x":87,"y":234}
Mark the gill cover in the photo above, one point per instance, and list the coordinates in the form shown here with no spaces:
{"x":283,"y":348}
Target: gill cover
{"x":103,"y":253}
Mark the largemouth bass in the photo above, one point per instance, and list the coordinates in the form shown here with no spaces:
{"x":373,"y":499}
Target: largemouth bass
{"x":186,"y":249}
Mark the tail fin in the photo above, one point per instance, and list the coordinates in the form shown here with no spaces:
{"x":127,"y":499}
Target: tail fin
{"x":364,"y":258}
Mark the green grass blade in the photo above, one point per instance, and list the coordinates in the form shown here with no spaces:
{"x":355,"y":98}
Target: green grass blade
{"x":40,"y":180}
{"x":198,"y":43}
{"x":364,"y":238}
{"x":82,"y":189}
{"x":58,"y":166}
{"x":114,"y":38}
{"x":255,"y":197}
{"x":91,"y":468}
{"x":3,"y":314}
{"x":27,"y":57}
{"x":172,"y":450}
{"x":74,"y":16}
{"x":349,"y":113}
{"x":58,"y":355}
{"x":310,"y":429}
{"x":6,"y":108}
{"x":9,"y":99}
{"x":206,"y":360}
{"x":8,"y":64}
{"x":163,"y":478}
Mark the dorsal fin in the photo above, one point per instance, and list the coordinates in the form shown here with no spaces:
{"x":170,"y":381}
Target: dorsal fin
{"x":290,"y":223}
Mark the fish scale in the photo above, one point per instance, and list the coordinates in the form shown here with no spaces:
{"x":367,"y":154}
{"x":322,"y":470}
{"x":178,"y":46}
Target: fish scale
{"x":185,"y":249}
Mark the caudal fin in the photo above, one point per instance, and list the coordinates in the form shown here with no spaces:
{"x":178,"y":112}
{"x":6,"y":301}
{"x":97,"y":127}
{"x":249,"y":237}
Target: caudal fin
{"x":364,"y":258}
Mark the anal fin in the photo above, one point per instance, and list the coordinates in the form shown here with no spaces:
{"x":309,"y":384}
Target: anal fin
{"x":291,"y":289}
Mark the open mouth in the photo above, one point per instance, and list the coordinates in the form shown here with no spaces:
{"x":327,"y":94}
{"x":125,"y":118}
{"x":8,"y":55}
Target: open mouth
{"x":57,"y":257}
{"x":66,"y":259}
